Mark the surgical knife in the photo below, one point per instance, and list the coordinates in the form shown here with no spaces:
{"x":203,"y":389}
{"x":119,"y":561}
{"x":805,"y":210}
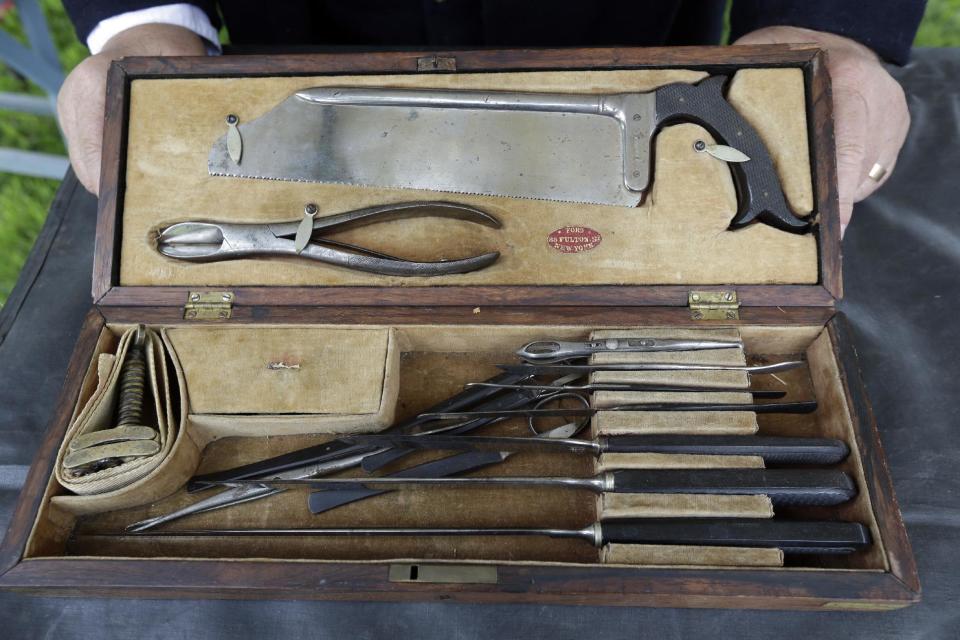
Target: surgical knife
{"x":630,"y":386}
{"x":788,"y":487}
{"x":561,"y":369}
{"x":773,"y":449}
{"x":555,"y":350}
{"x":791,"y":536}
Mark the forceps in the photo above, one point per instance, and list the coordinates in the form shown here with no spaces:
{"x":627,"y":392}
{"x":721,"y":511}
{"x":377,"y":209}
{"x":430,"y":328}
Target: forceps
{"x":213,"y":241}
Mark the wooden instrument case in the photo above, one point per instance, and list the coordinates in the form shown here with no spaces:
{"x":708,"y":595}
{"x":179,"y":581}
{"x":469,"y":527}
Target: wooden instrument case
{"x":776,"y":318}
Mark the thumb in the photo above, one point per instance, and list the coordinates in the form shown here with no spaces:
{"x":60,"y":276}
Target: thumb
{"x":850,"y":131}
{"x":80,"y":105}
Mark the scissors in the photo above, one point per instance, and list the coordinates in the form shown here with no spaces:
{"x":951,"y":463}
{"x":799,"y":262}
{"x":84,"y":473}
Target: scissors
{"x":214,"y":241}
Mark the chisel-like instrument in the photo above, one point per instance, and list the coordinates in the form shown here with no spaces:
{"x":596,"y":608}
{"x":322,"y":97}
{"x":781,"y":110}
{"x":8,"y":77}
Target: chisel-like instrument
{"x":773,"y":450}
{"x":629,"y":386}
{"x":556,"y":350}
{"x":801,"y":537}
{"x":564,"y":369}
{"x":783,"y":486}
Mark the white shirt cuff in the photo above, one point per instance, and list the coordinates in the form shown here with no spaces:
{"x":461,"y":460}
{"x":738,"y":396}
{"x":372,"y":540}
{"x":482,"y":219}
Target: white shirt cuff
{"x":181,"y":14}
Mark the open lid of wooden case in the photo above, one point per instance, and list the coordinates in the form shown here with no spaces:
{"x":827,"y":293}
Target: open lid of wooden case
{"x":163,"y":116}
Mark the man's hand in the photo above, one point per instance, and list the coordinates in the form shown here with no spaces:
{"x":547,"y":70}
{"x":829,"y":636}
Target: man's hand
{"x":80,"y":103}
{"x":870,"y":111}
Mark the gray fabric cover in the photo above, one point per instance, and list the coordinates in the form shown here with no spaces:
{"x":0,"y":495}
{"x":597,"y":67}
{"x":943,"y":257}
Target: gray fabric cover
{"x":902,"y":278}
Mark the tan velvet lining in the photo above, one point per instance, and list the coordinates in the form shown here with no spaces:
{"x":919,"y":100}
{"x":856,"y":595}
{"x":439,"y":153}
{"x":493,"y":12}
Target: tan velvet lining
{"x":673,"y":461}
{"x":269,"y":371}
{"x":652,"y":505}
{"x":428,"y":376}
{"x":680,"y":556}
{"x":693,"y":422}
{"x":677,"y":236}
{"x":673,"y":421}
{"x":834,"y":422}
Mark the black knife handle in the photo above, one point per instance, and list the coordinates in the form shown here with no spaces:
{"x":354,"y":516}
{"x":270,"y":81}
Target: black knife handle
{"x":790,"y":536}
{"x":786,"y":487}
{"x":759,"y":193}
{"x":336,"y":449}
{"x":320,"y":501}
{"x":799,"y":407}
{"x":773,"y":450}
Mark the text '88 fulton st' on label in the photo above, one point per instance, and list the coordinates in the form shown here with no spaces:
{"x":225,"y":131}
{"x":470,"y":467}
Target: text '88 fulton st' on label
{"x":574,"y":239}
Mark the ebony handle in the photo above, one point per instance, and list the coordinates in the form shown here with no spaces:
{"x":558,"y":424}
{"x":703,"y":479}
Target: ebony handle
{"x":820,"y":487}
{"x":790,"y":536}
{"x":773,"y":450}
{"x":759,"y":193}
{"x":799,"y":407}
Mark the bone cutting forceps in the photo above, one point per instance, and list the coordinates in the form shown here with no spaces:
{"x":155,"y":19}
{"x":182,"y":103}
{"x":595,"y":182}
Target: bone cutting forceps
{"x":213,"y":241}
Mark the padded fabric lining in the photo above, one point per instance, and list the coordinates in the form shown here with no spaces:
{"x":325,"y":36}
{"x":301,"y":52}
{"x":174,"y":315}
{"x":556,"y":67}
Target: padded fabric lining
{"x":283,"y":380}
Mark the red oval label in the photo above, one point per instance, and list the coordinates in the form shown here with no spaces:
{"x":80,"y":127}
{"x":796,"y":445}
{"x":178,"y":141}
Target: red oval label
{"x":574,"y":239}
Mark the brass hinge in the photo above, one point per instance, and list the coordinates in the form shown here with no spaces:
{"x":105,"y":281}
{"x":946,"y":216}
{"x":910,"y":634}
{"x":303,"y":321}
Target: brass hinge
{"x":437,"y":63}
{"x":208,"y":305}
{"x":714,"y":305}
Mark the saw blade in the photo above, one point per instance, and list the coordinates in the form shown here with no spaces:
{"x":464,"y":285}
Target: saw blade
{"x":566,"y":157}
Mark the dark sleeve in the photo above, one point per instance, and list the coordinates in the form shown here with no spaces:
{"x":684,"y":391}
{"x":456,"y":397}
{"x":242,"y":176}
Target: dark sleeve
{"x":87,"y":14}
{"x":886,"y":26}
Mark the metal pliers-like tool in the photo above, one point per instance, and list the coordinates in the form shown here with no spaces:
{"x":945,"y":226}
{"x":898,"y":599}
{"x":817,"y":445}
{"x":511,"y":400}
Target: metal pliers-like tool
{"x":213,"y":241}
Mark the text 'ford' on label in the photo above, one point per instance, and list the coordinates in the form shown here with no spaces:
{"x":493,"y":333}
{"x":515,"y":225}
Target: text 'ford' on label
{"x":574,"y":239}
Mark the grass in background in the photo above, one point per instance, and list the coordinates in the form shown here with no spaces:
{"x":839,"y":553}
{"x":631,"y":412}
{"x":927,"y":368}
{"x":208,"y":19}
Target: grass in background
{"x":24,"y":201}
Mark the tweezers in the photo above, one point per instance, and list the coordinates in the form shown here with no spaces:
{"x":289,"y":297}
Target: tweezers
{"x":214,"y":241}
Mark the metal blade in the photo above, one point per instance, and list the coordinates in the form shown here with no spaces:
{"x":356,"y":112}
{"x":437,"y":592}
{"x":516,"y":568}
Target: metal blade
{"x":781,"y":450}
{"x":571,"y":157}
{"x":479,"y":443}
{"x":560,"y":369}
{"x":594,"y":484}
{"x":791,"y":536}
{"x":321,"y":501}
{"x":630,"y":386}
